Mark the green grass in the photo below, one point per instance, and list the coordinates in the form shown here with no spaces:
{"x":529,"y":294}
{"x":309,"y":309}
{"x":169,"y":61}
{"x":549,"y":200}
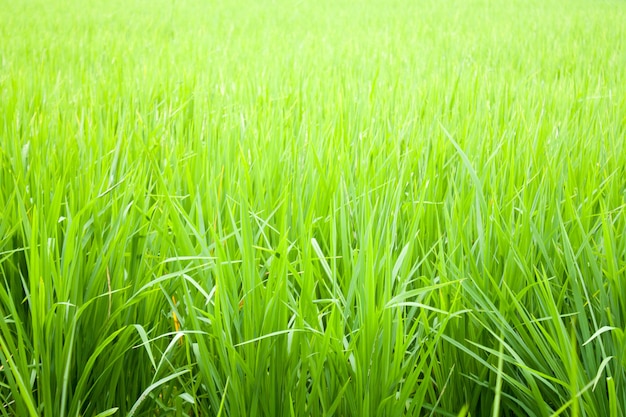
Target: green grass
{"x":278,"y":208}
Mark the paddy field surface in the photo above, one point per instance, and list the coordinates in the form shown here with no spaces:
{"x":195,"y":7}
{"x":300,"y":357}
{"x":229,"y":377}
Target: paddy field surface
{"x":312,"y":208}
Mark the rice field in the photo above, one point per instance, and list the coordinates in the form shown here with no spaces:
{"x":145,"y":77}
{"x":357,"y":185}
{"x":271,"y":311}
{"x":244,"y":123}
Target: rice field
{"x":313,"y":208}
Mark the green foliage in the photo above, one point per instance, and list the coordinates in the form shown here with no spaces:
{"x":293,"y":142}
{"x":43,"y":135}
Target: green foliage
{"x":377,"y":208}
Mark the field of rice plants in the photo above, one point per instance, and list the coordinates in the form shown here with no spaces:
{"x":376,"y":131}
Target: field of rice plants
{"x":313,"y":208}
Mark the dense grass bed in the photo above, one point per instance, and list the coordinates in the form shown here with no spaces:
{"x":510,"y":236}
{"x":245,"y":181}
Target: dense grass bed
{"x":312,"y":208}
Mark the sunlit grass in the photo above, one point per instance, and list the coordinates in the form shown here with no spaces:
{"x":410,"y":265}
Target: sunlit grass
{"x":313,"y":208}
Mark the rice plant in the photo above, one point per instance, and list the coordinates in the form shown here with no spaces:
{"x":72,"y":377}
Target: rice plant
{"x":330,"y":208}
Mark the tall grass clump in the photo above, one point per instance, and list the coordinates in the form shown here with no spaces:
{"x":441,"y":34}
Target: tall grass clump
{"x":312,"y":209}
